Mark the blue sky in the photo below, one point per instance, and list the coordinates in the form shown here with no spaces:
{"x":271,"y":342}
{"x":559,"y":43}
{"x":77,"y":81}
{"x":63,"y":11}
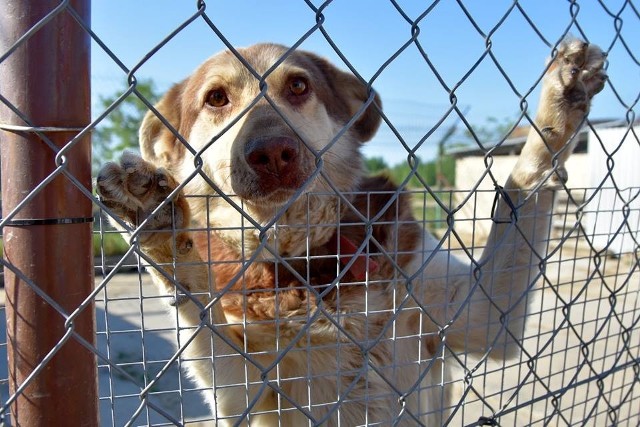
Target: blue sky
{"x":369,"y":32}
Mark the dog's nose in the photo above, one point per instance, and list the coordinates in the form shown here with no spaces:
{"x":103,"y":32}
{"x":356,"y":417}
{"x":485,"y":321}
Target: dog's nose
{"x":276,"y":156}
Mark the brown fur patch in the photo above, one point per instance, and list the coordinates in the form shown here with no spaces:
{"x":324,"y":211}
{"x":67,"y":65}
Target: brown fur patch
{"x":414,"y":321}
{"x":430,"y":344}
{"x":263,"y":290}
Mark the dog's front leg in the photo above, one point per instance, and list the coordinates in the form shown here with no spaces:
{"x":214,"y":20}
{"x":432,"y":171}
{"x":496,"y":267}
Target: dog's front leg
{"x":211,"y":348}
{"x":133,"y":190}
{"x":516,"y":246}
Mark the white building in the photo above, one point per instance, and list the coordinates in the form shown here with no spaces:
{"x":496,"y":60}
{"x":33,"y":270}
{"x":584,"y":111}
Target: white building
{"x":604,"y":183}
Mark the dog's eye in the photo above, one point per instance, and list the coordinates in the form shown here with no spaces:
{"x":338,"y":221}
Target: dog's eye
{"x":217,"y":98}
{"x":298,"y":86}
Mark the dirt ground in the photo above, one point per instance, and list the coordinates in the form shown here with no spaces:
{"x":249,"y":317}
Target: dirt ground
{"x":580,"y":329}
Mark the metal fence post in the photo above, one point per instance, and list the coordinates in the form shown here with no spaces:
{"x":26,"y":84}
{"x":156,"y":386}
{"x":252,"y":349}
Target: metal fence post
{"x":46,"y":78}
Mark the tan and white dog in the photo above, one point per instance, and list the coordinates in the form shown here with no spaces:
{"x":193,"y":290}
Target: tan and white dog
{"x":299,"y":307}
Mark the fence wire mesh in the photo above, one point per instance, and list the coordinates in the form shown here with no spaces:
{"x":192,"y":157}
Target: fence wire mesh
{"x":578,"y":362}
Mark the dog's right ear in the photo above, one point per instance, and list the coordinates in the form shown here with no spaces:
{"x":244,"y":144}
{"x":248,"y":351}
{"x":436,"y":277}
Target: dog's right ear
{"x":158,"y":143}
{"x":347,"y":97}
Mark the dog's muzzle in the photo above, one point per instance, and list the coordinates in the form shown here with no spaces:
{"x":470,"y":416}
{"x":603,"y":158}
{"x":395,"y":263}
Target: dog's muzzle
{"x":276,"y":161}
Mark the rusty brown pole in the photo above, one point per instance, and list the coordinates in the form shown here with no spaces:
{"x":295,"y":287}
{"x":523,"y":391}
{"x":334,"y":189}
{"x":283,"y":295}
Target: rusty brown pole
{"x":49,"y":240}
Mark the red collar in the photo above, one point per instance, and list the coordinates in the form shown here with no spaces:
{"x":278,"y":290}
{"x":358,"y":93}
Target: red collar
{"x":347,"y":251}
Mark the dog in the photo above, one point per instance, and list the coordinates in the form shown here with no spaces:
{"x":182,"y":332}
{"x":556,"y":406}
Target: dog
{"x":305,"y":291}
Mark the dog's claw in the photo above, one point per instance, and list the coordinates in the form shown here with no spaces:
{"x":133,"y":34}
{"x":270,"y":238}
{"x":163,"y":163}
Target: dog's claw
{"x":133,"y":189}
{"x":178,"y":300}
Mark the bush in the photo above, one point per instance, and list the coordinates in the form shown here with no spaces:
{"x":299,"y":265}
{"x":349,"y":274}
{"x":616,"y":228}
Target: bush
{"x":111,"y":242}
{"x":427,"y":171}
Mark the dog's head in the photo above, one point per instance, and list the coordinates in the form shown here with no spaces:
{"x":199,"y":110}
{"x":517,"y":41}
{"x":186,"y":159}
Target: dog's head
{"x":263,"y":131}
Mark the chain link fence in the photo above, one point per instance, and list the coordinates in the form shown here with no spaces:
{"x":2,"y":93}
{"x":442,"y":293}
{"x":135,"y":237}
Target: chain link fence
{"x":578,"y":361}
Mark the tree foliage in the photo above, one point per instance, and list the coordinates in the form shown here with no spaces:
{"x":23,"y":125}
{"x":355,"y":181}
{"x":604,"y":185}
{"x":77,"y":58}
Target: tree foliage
{"x":375,"y":164}
{"x":492,"y":131}
{"x":425,"y":172}
{"x":119,"y":130}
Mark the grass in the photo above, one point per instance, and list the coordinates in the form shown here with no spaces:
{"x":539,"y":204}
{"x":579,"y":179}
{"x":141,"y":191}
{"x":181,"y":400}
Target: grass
{"x":112,"y":242}
{"x":428,"y":212}
{"x":109,"y":243}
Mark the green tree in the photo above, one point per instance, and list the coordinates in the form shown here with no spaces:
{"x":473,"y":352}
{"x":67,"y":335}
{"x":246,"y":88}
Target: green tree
{"x":375,"y":164}
{"x":427,"y":171}
{"x":492,"y":131}
{"x":119,"y":130}
{"x":116,"y":133}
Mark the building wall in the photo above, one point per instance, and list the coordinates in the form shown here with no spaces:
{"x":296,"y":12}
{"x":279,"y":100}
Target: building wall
{"x":470,"y":169}
{"x":612,"y":213}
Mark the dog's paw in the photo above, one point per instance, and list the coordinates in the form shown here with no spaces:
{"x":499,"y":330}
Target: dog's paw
{"x":575,"y":75}
{"x":557,"y":179}
{"x":593,"y":75}
{"x":134,"y":189}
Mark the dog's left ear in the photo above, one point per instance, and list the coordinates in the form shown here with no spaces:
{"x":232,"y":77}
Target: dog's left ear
{"x":158,"y":144}
{"x":347,"y":97}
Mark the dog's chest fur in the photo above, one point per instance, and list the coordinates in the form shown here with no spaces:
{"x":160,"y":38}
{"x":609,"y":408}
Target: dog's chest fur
{"x":269,"y":290}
